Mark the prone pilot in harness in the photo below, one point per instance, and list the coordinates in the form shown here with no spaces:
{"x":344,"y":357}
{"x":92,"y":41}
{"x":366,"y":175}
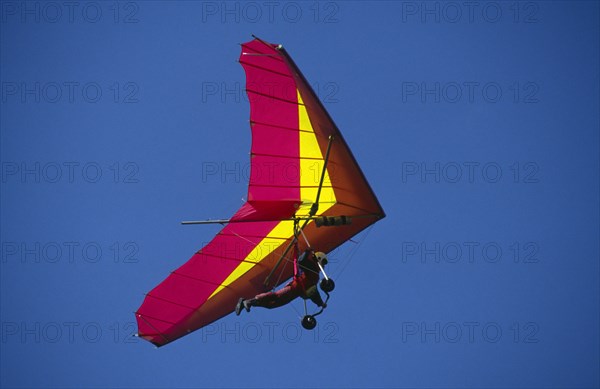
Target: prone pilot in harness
{"x":303,"y":284}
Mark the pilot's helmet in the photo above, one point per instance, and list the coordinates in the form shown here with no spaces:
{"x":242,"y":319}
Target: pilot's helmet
{"x":321,"y":257}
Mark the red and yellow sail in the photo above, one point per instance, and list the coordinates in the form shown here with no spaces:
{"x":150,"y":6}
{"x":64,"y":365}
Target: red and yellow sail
{"x":291,"y":131}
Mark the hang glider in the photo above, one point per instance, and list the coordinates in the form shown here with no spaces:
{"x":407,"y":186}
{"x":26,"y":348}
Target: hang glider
{"x":304,"y":180}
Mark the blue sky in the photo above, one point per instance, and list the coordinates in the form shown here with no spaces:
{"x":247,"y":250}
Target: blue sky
{"x":475,"y":123}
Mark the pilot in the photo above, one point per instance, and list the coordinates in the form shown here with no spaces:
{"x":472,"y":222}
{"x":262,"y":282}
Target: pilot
{"x":303,"y":284}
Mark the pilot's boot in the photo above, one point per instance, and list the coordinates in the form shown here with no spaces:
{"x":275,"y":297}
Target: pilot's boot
{"x":238,"y":307}
{"x":245,"y":304}
{"x":248,"y":303}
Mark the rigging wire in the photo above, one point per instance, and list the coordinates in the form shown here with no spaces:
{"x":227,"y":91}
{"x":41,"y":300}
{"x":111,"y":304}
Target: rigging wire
{"x":353,"y":251}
